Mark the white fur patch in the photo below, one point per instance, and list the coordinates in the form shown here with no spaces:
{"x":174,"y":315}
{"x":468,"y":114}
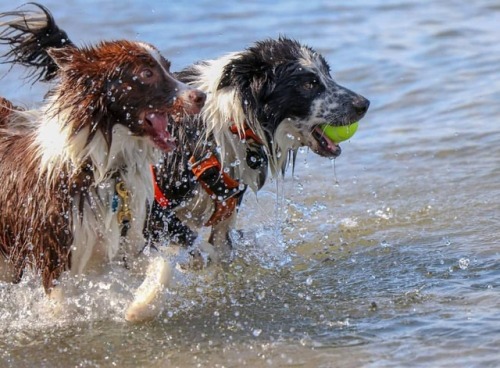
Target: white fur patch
{"x":223,"y":108}
{"x":97,"y":235}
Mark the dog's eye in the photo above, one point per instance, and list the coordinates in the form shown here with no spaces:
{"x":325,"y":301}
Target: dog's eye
{"x":146,"y":73}
{"x":310,"y":84}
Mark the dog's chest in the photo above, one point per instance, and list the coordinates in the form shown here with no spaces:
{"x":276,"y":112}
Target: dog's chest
{"x":235,"y":154}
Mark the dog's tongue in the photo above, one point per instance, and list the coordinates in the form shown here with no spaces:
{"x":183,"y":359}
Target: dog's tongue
{"x":161,"y":136}
{"x":327,"y":142}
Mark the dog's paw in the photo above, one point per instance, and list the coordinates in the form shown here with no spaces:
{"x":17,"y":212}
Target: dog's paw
{"x":148,"y":301}
{"x":201,"y":257}
{"x":140,"y":312}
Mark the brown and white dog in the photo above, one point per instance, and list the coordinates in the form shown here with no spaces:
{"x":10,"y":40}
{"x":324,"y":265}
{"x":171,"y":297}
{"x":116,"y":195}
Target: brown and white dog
{"x":75,"y":173}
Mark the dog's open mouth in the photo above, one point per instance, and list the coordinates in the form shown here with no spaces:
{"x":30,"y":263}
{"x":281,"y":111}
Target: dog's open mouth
{"x":325,"y":146}
{"x":157,"y":124}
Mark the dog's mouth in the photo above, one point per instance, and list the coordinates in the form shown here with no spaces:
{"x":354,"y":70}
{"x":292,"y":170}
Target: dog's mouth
{"x":156,"y":124}
{"x":324,"y":146}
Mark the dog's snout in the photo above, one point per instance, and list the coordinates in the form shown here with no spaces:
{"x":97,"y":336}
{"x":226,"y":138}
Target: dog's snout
{"x":361,"y":105}
{"x":197,"y":97}
{"x":193,"y":100}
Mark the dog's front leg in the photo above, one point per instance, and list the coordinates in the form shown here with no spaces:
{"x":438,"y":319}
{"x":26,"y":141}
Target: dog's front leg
{"x":221,"y":240}
{"x":148,"y":301}
{"x":7,"y":270}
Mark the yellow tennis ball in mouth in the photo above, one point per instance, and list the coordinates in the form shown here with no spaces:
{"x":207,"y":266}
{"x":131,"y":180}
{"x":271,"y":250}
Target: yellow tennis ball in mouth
{"x":339,"y":133}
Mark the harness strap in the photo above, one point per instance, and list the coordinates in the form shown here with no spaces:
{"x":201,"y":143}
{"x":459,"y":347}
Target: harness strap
{"x":160,"y":198}
{"x":246,"y":133}
{"x":201,"y":166}
{"x":225,"y":208}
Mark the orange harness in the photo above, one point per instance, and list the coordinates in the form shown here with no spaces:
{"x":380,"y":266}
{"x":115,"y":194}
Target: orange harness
{"x":246,"y":133}
{"x":223,"y":208}
{"x":159,"y":196}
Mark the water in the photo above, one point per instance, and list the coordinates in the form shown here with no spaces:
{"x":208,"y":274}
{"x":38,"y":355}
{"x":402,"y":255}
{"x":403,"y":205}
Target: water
{"x":395,"y":265}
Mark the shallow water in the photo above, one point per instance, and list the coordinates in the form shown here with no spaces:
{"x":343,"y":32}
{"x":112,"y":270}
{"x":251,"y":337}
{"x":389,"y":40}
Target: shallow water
{"x":389,"y":257}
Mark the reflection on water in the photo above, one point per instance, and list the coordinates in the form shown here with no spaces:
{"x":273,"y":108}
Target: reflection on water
{"x":396,"y":264}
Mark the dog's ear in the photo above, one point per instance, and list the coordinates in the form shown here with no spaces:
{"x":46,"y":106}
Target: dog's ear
{"x":243,"y":70}
{"x":63,"y":57}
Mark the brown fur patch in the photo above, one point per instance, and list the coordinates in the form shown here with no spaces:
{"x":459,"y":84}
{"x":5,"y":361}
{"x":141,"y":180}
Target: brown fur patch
{"x":34,"y":229}
{"x":99,"y":87}
{"x":6,"y":108}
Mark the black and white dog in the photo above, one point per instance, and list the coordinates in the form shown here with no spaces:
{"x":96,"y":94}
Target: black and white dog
{"x":262,"y":104}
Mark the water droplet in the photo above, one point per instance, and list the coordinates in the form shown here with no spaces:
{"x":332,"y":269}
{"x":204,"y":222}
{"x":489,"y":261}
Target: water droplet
{"x":463,"y":263}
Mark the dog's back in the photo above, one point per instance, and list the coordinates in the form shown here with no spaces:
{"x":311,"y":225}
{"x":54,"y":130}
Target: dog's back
{"x":31,"y":213}
{"x":6,"y":109}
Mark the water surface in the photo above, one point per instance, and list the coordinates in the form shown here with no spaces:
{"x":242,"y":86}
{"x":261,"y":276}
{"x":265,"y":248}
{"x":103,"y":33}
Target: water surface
{"x":388,"y":257}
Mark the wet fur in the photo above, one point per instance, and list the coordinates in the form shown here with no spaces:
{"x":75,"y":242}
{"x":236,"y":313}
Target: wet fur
{"x":102,"y":123}
{"x":283,"y":91}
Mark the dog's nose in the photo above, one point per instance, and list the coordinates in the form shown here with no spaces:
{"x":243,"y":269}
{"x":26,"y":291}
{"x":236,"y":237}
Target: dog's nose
{"x":197,"y":98}
{"x":361,"y":105}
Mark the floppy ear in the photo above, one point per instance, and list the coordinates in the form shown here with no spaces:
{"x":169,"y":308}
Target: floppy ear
{"x":250,"y":76}
{"x":63,"y":57}
{"x":241,"y":70}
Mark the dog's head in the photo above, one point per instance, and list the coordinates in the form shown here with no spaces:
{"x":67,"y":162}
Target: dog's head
{"x":125,"y":83}
{"x":287,"y":93}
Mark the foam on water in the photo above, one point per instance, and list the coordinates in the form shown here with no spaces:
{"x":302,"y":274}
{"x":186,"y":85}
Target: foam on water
{"x":106,"y":297}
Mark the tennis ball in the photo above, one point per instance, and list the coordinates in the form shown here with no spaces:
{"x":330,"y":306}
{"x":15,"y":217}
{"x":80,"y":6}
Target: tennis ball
{"x":339,"y":133}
